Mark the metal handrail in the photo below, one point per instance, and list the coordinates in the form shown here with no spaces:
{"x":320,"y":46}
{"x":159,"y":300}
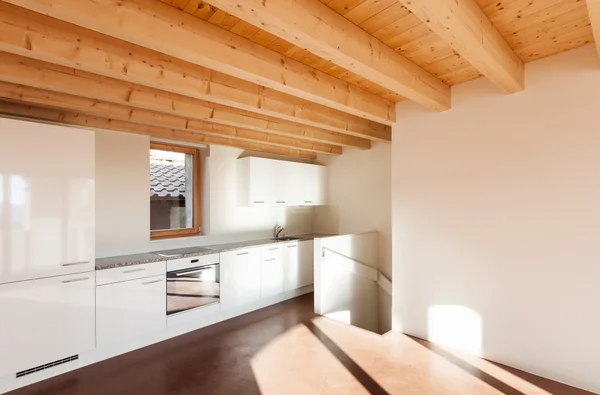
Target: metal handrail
{"x":376,"y":275}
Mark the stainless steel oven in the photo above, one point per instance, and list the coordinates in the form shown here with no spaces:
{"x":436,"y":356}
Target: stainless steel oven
{"x":192,"y":284}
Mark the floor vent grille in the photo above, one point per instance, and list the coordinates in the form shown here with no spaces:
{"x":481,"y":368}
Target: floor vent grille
{"x":46,"y":366}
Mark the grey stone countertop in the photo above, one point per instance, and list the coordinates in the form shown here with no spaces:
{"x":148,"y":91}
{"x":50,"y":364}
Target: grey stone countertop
{"x":150,"y":257}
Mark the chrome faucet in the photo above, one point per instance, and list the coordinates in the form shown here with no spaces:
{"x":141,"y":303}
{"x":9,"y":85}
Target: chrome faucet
{"x":277,"y":231}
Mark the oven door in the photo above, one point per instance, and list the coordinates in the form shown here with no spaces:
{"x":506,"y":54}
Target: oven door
{"x":191,"y":288}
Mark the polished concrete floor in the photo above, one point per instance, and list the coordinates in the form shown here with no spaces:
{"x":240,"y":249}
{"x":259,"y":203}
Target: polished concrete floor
{"x":287,"y":350}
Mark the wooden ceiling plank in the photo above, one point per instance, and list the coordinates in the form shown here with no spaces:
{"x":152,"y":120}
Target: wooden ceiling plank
{"x":468,"y":31}
{"x":78,"y":104}
{"x":594,"y":15}
{"x":39,"y":37}
{"x":86,"y":121}
{"x":461,"y":75}
{"x":448,"y":65}
{"x":223,"y":20}
{"x":366,"y":10}
{"x":23,"y":71}
{"x":510,"y":11}
{"x":541,"y":16}
{"x":384,"y":18}
{"x":566,"y":42}
{"x":563,"y":24}
{"x":409,"y":29}
{"x":160,"y":27}
{"x":311,"y":25}
{"x":343,"y":6}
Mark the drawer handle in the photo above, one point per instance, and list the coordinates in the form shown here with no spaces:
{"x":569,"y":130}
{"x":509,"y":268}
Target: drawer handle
{"x":259,"y":201}
{"x":292,"y":246}
{"x":270,"y":259}
{"x":134,"y":270}
{"x":75,"y":263}
{"x":195,"y":261}
{"x":280,"y":201}
{"x":75,"y":280}
{"x":273,"y":249}
{"x":152,"y":282}
{"x":308,"y":201}
{"x":242,"y":253}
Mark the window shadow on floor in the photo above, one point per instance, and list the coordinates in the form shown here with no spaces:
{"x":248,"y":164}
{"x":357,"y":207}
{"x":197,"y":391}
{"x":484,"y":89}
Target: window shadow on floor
{"x":363,"y":377}
{"x":552,"y":387}
{"x":467,"y":367}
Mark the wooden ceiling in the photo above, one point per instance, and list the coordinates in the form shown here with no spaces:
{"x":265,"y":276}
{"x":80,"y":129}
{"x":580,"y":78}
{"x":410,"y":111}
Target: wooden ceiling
{"x":533,"y":28}
{"x":319,"y":76}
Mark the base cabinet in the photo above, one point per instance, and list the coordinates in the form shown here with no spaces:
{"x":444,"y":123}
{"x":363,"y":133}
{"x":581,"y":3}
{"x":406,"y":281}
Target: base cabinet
{"x":272,"y":271}
{"x":45,"y":320}
{"x":298,"y":267}
{"x":130,"y":308}
{"x":240,"y":278}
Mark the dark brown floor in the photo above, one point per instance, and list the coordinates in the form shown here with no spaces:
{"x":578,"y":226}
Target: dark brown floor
{"x":216,"y":361}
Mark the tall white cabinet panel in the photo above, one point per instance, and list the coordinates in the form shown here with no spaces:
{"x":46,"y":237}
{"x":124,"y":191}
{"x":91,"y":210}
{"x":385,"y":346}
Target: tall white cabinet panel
{"x":130,"y":308}
{"x":272,"y":272}
{"x":45,"y":320}
{"x":306,"y":269}
{"x":240,"y":277}
{"x":46,"y":200}
{"x":298,"y":265}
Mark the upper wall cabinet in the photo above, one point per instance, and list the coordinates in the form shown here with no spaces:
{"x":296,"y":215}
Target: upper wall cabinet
{"x":46,"y":200}
{"x":269,"y":182}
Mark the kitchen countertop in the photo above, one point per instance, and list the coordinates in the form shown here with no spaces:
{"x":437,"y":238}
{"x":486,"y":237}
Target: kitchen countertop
{"x":150,"y":257}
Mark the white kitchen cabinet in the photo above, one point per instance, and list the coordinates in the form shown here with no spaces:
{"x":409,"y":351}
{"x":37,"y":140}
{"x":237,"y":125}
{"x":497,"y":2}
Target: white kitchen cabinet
{"x":240,"y":277}
{"x":298,"y":265}
{"x":312,"y":182}
{"x":255,"y":182}
{"x":269,"y":182}
{"x":45,"y":320}
{"x":47,"y":214}
{"x":272,"y":270}
{"x":130,"y":308}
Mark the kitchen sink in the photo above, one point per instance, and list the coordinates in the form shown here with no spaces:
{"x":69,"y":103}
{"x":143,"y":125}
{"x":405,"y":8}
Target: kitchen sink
{"x":287,"y":238}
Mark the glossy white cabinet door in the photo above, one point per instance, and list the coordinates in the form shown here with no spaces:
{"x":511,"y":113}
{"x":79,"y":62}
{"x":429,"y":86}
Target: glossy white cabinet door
{"x":130,"y":308}
{"x":240,"y":277}
{"x":46,"y":200}
{"x":255,"y":176}
{"x":272,"y":273}
{"x":298,"y":265}
{"x":280,"y":183}
{"x":45,"y":320}
{"x":312,"y":180}
{"x":306,"y":271}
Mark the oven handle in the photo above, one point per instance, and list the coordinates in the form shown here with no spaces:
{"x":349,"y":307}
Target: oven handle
{"x":211,"y":267}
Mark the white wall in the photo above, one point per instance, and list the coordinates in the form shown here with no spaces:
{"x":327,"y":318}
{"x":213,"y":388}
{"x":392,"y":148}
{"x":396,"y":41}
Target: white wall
{"x":123,"y":200}
{"x":496,"y":220}
{"x":359,"y":195}
{"x":122,"y":193}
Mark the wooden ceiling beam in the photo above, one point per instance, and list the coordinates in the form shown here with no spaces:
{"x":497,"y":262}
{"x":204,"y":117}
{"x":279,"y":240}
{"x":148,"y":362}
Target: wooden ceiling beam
{"x":39,"y":97}
{"x":24,"y":71}
{"x":160,"y":27}
{"x":30,"y":34}
{"x":86,"y":121}
{"x":593,"y":7}
{"x":312,"y":25}
{"x":469,"y":32}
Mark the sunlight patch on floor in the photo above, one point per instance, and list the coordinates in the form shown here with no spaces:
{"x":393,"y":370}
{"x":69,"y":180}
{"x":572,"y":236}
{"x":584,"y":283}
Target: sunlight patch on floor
{"x":297,"y":363}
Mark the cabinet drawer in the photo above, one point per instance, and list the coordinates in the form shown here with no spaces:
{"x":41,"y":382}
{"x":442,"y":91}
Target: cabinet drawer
{"x":185,"y":263}
{"x":125,"y":273}
{"x":45,"y":320}
{"x":128,"y":309}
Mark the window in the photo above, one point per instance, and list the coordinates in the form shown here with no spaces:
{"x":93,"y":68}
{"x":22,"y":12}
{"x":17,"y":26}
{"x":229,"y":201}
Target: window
{"x":174,"y":191}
